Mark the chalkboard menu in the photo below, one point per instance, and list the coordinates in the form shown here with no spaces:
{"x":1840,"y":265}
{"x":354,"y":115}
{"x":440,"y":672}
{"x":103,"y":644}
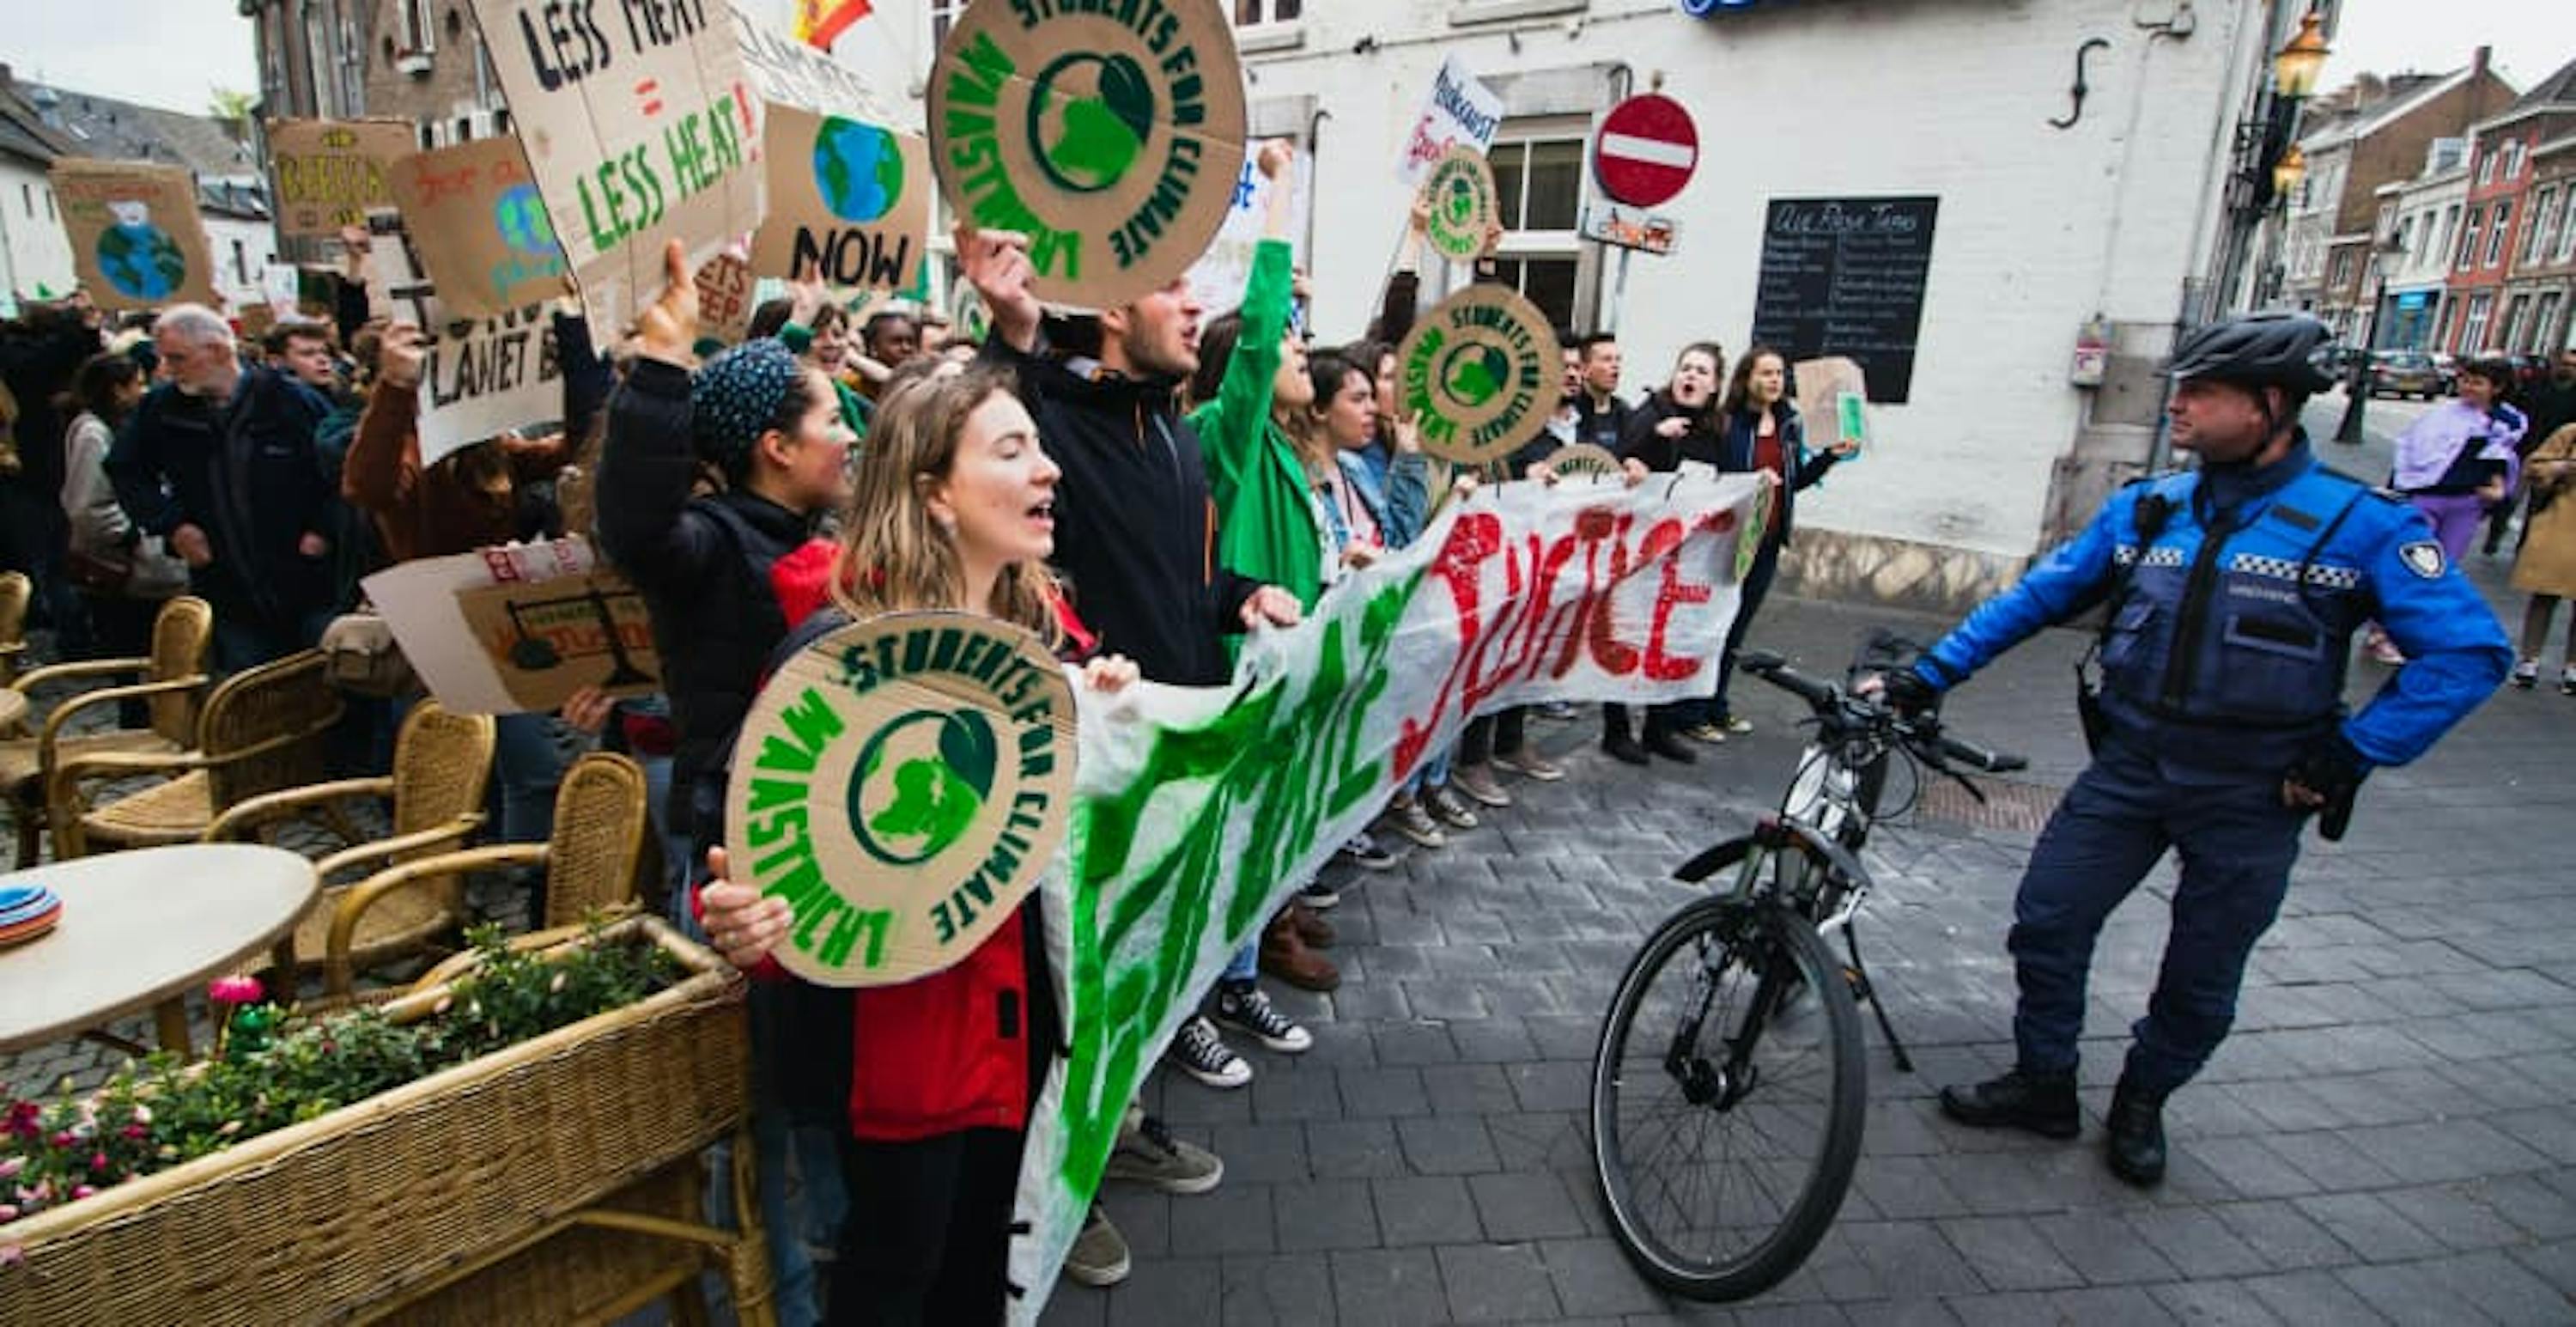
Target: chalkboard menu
{"x":1844,"y":276}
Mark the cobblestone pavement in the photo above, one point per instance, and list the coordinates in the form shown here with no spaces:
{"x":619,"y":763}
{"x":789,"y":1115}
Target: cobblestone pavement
{"x":2387,"y":1136}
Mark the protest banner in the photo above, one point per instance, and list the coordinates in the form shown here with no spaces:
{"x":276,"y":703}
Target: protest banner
{"x":1464,"y":215}
{"x":137,"y":242}
{"x":1111,"y":136}
{"x":517,"y":630}
{"x":1218,"y":278}
{"x":847,"y":199}
{"x":330,"y":172}
{"x":282,"y":286}
{"x":479,"y":227}
{"x":1198,"y":811}
{"x":640,"y":125}
{"x":1458,"y":112}
{"x":1478,"y":374}
{"x":483,"y":375}
{"x":902,"y":783}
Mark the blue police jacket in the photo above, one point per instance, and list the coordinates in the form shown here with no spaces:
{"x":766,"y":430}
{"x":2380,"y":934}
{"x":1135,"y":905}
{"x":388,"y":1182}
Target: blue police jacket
{"x":2226,"y":648}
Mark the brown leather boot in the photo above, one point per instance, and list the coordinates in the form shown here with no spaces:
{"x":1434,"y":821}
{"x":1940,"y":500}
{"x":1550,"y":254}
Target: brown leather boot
{"x":1311,"y":926}
{"x":1285,"y":956}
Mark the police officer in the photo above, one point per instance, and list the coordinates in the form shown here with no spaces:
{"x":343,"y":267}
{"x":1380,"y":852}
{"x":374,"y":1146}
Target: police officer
{"x":2219,"y":725}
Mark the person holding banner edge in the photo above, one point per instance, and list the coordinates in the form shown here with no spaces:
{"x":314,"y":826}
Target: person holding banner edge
{"x":1135,"y":534}
{"x":953,"y":510}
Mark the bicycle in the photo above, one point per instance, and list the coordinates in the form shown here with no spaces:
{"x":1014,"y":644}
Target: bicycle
{"x":1726,"y":1046}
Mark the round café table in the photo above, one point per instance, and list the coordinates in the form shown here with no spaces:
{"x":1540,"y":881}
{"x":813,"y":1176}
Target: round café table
{"x":142,"y":928}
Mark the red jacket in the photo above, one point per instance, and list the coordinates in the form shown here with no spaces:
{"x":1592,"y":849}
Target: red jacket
{"x":953,"y":1050}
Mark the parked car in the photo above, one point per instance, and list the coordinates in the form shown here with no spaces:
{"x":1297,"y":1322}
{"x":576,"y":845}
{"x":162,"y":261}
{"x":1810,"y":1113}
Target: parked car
{"x":2449,"y":364}
{"x":2404,"y":373}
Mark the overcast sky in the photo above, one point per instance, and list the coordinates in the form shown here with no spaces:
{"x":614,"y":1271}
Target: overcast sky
{"x":188,"y":48}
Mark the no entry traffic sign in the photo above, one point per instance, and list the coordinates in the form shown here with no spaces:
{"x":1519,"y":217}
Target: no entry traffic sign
{"x":1646,"y":150}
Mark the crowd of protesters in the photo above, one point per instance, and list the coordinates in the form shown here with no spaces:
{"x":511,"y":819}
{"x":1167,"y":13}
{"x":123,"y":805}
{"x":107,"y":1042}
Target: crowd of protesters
{"x":1189,"y":483}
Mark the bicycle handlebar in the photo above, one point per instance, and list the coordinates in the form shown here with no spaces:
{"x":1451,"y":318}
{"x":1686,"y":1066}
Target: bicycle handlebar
{"x":1921,"y":731}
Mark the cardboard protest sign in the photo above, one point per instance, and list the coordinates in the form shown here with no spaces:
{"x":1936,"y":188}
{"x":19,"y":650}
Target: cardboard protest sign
{"x":847,"y":198}
{"x":483,"y":375}
{"x":725,"y":297}
{"x":479,"y":227}
{"x":1198,"y":811}
{"x":519,"y":629}
{"x":787,"y":72}
{"x":1218,"y":278}
{"x":1833,"y":393}
{"x":1478,"y":374}
{"x":1583,"y":460}
{"x":1464,"y":210}
{"x":1111,"y":136}
{"x":137,"y":242}
{"x":641,"y":126}
{"x":282,"y":286}
{"x":1458,"y":112}
{"x":330,"y":172}
{"x":901,"y":784}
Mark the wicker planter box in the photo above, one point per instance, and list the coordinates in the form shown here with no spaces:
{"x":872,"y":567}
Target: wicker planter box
{"x":384,"y":1201}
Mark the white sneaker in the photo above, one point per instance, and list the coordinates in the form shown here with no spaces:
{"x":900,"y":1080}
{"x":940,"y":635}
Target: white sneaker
{"x":1203,"y":1055}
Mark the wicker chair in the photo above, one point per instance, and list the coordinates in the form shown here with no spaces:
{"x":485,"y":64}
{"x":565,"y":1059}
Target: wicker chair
{"x":15,"y":591}
{"x":263,"y":730}
{"x":442,"y":765}
{"x":601,"y":822}
{"x":172,"y":685}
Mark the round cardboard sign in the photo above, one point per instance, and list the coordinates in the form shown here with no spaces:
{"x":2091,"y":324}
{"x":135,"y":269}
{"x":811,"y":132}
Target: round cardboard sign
{"x":1584,"y":459}
{"x":1479,"y":374}
{"x":902,"y":783}
{"x":1459,"y":191}
{"x":1110,"y":135}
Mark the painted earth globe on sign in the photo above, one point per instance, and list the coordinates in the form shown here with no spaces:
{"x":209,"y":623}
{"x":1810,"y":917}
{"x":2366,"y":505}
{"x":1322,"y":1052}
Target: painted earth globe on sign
{"x":1089,"y":118}
{"x":141,"y":261}
{"x":1474,"y":373}
{"x":520,"y":215}
{"x":857,"y":169}
{"x":919,"y":782}
{"x":1461,"y":200}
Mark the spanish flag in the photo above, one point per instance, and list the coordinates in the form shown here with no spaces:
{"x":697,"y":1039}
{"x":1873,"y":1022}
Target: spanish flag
{"x":819,"y":22}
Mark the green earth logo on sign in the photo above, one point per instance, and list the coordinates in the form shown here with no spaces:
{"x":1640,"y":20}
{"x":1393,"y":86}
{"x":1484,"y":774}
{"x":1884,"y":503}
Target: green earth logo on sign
{"x":1473,"y":373}
{"x":919,"y":784}
{"x":1089,"y":119}
{"x":1459,"y":201}
{"x":858,"y":170}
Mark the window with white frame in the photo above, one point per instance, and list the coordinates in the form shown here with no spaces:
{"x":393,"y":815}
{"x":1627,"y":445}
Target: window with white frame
{"x":2500,"y":231}
{"x":419,"y":31}
{"x":2535,"y":231}
{"x":2473,"y":327}
{"x":2544,"y":322}
{"x":2450,"y":231}
{"x":2487,"y":166}
{"x":1538,"y":184}
{"x":1253,"y":13}
{"x":2469,"y":239}
{"x":2567,"y":230}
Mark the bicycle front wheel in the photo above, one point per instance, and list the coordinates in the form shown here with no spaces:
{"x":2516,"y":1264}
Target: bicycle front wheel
{"x":1725,"y":1126}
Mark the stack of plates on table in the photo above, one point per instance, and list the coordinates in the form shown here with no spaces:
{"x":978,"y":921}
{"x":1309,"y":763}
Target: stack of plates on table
{"x":27,"y":911}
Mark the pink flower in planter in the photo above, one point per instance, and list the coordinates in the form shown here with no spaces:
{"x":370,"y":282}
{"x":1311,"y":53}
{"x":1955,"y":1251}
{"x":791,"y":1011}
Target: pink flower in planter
{"x":98,"y":1163}
{"x":234,"y":990}
{"x":8,"y":1213}
{"x":135,"y":1133}
{"x":142,"y":1113}
{"x":80,"y":1191}
{"x":10,"y":1166}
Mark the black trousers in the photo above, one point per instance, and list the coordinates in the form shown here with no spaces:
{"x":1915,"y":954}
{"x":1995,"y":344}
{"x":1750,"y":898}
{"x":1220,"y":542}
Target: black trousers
{"x":121,"y":628}
{"x":1757,"y":586}
{"x":928,"y":1238}
{"x":1498,"y":733}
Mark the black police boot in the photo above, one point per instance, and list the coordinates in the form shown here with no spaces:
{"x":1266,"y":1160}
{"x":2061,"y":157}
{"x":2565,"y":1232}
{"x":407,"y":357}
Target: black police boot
{"x":2137,"y":1146}
{"x":1666,"y":743}
{"x":2042,"y":1103}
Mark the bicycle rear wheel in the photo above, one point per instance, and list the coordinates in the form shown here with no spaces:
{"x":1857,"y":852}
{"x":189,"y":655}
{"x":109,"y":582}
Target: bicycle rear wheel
{"x":1724,"y":1131}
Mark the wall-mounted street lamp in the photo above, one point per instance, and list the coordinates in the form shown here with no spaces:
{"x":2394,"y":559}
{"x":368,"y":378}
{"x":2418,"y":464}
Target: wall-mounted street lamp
{"x":2289,"y":172}
{"x":2295,"y":67}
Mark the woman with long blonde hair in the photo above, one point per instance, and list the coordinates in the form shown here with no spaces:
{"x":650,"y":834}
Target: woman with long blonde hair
{"x":953,"y":510}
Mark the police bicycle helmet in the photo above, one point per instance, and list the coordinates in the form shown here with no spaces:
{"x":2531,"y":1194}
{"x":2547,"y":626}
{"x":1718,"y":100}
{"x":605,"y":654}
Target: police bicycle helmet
{"x":2256,"y":350}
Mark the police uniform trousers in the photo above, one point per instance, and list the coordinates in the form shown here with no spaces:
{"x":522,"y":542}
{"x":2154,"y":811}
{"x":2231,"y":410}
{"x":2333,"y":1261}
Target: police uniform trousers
{"x":2236,"y":842}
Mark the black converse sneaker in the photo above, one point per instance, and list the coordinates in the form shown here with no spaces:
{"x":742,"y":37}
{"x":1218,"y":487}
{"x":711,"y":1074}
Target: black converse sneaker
{"x":1203,"y":1055}
{"x":1242,"y":1006}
